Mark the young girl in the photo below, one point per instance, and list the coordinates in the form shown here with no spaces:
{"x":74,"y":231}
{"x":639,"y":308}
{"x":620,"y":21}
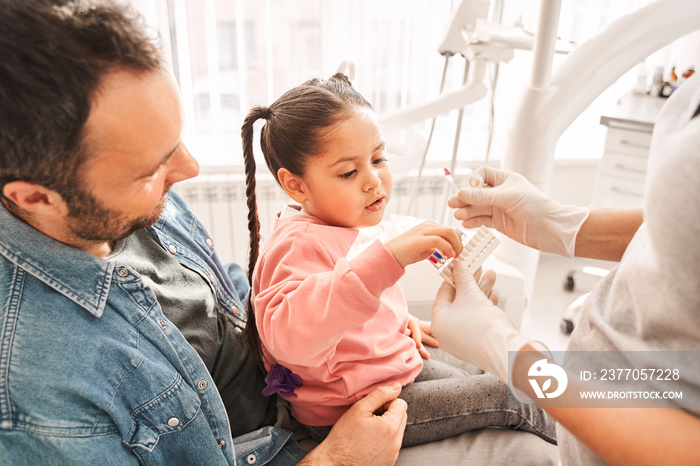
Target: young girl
{"x":331,"y":318}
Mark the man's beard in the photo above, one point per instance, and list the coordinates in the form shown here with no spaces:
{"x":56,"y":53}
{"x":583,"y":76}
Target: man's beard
{"x":89,"y":220}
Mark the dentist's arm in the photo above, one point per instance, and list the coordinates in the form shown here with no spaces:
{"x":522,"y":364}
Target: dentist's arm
{"x":619,"y":435}
{"x":606,"y":233}
{"x":511,"y":204}
{"x":470,"y":327}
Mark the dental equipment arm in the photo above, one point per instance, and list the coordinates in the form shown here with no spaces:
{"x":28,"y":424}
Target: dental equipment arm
{"x":480,"y":42}
{"x":550,"y":103}
{"x":457,"y":41}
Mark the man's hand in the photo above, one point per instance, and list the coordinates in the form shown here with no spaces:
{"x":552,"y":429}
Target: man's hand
{"x":370,"y":432}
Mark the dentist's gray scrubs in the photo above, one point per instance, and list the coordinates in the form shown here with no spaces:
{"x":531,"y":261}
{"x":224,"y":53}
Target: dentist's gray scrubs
{"x":651,"y":301}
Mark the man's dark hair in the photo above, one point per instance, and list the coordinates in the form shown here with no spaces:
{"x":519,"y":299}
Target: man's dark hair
{"x":53,"y":55}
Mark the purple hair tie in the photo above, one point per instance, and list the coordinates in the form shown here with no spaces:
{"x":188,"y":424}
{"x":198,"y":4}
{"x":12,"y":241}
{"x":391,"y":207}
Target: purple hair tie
{"x":281,"y":380}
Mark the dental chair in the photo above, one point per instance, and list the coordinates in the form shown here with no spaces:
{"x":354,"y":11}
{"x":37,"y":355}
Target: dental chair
{"x":571,"y":314}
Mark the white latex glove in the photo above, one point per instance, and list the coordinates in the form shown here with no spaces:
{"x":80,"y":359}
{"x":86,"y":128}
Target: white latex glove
{"x":511,"y":204}
{"x":468,"y":325}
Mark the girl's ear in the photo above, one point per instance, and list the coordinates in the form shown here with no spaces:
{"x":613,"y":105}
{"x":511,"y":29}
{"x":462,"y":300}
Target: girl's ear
{"x":293,"y":185}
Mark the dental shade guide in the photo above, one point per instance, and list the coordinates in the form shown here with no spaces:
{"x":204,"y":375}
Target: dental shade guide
{"x":474,"y":253}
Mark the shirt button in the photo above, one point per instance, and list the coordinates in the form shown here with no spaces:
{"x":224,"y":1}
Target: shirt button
{"x":234,"y":311}
{"x":222,"y":444}
{"x":122,"y":272}
{"x":212,"y":278}
{"x":172,"y":249}
{"x":162,"y":323}
{"x":173,"y":422}
{"x":251,"y":459}
{"x":202,"y":384}
{"x":210,"y":243}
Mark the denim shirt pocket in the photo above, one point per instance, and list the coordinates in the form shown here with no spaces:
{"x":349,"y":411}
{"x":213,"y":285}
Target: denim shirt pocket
{"x":169,"y":412}
{"x":270,"y":446}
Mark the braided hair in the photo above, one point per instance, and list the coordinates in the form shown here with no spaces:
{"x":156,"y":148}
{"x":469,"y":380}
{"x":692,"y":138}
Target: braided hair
{"x":296,"y":126}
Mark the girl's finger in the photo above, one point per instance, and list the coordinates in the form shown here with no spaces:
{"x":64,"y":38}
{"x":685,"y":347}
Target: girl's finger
{"x":430,"y":341}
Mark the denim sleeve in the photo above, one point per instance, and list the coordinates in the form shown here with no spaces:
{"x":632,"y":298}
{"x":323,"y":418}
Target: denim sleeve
{"x":238,"y":278}
{"x":24,"y":448}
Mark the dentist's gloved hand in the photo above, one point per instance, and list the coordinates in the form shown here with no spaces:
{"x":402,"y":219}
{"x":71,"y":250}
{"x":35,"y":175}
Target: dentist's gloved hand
{"x":468,"y":325}
{"x":511,"y":204}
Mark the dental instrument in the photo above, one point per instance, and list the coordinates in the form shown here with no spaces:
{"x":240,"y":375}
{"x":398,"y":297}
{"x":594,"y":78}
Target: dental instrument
{"x":474,"y":252}
{"x":451,"y":179}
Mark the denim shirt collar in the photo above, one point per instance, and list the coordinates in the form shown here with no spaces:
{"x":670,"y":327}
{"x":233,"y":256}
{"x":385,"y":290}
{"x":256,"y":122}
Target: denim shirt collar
{"x":78,"y":275}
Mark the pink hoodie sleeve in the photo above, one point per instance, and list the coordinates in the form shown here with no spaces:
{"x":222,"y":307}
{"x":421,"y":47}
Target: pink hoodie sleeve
{"x":307,"y":300}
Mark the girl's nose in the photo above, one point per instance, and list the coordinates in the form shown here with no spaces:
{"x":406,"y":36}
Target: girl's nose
{"x":372,"y":181}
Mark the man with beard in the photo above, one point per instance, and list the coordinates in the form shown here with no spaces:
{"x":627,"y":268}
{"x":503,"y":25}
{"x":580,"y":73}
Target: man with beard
{"x":121,"y":330}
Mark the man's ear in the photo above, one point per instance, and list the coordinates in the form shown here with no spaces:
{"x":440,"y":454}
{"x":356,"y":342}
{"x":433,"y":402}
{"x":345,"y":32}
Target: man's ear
{"x":293,"y":185}
{"x":35,"y":199}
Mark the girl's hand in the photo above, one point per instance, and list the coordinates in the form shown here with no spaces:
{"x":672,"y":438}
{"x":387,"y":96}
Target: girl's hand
{"x":420,"y":241}
{"x":419,"y":330}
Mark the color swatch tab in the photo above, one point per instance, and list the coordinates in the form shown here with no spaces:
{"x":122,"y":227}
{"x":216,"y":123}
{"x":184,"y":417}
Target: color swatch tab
{"x":475,"y":252}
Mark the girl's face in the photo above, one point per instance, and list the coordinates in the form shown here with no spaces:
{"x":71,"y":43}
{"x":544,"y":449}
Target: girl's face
{"x":349,"y":184}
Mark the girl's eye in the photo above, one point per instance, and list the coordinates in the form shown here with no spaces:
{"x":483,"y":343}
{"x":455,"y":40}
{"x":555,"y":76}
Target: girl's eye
{"x":348,"y":175}
{"x":379,"y":161}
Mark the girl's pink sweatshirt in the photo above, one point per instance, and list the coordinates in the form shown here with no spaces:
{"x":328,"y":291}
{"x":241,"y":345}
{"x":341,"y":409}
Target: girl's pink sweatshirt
{"x":338,"y":323}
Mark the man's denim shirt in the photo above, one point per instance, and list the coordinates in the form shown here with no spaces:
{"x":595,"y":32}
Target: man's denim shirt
{"x":91,"y":372}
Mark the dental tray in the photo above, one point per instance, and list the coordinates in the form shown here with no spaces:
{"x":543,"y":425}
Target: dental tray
{"x":475,"y":252}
